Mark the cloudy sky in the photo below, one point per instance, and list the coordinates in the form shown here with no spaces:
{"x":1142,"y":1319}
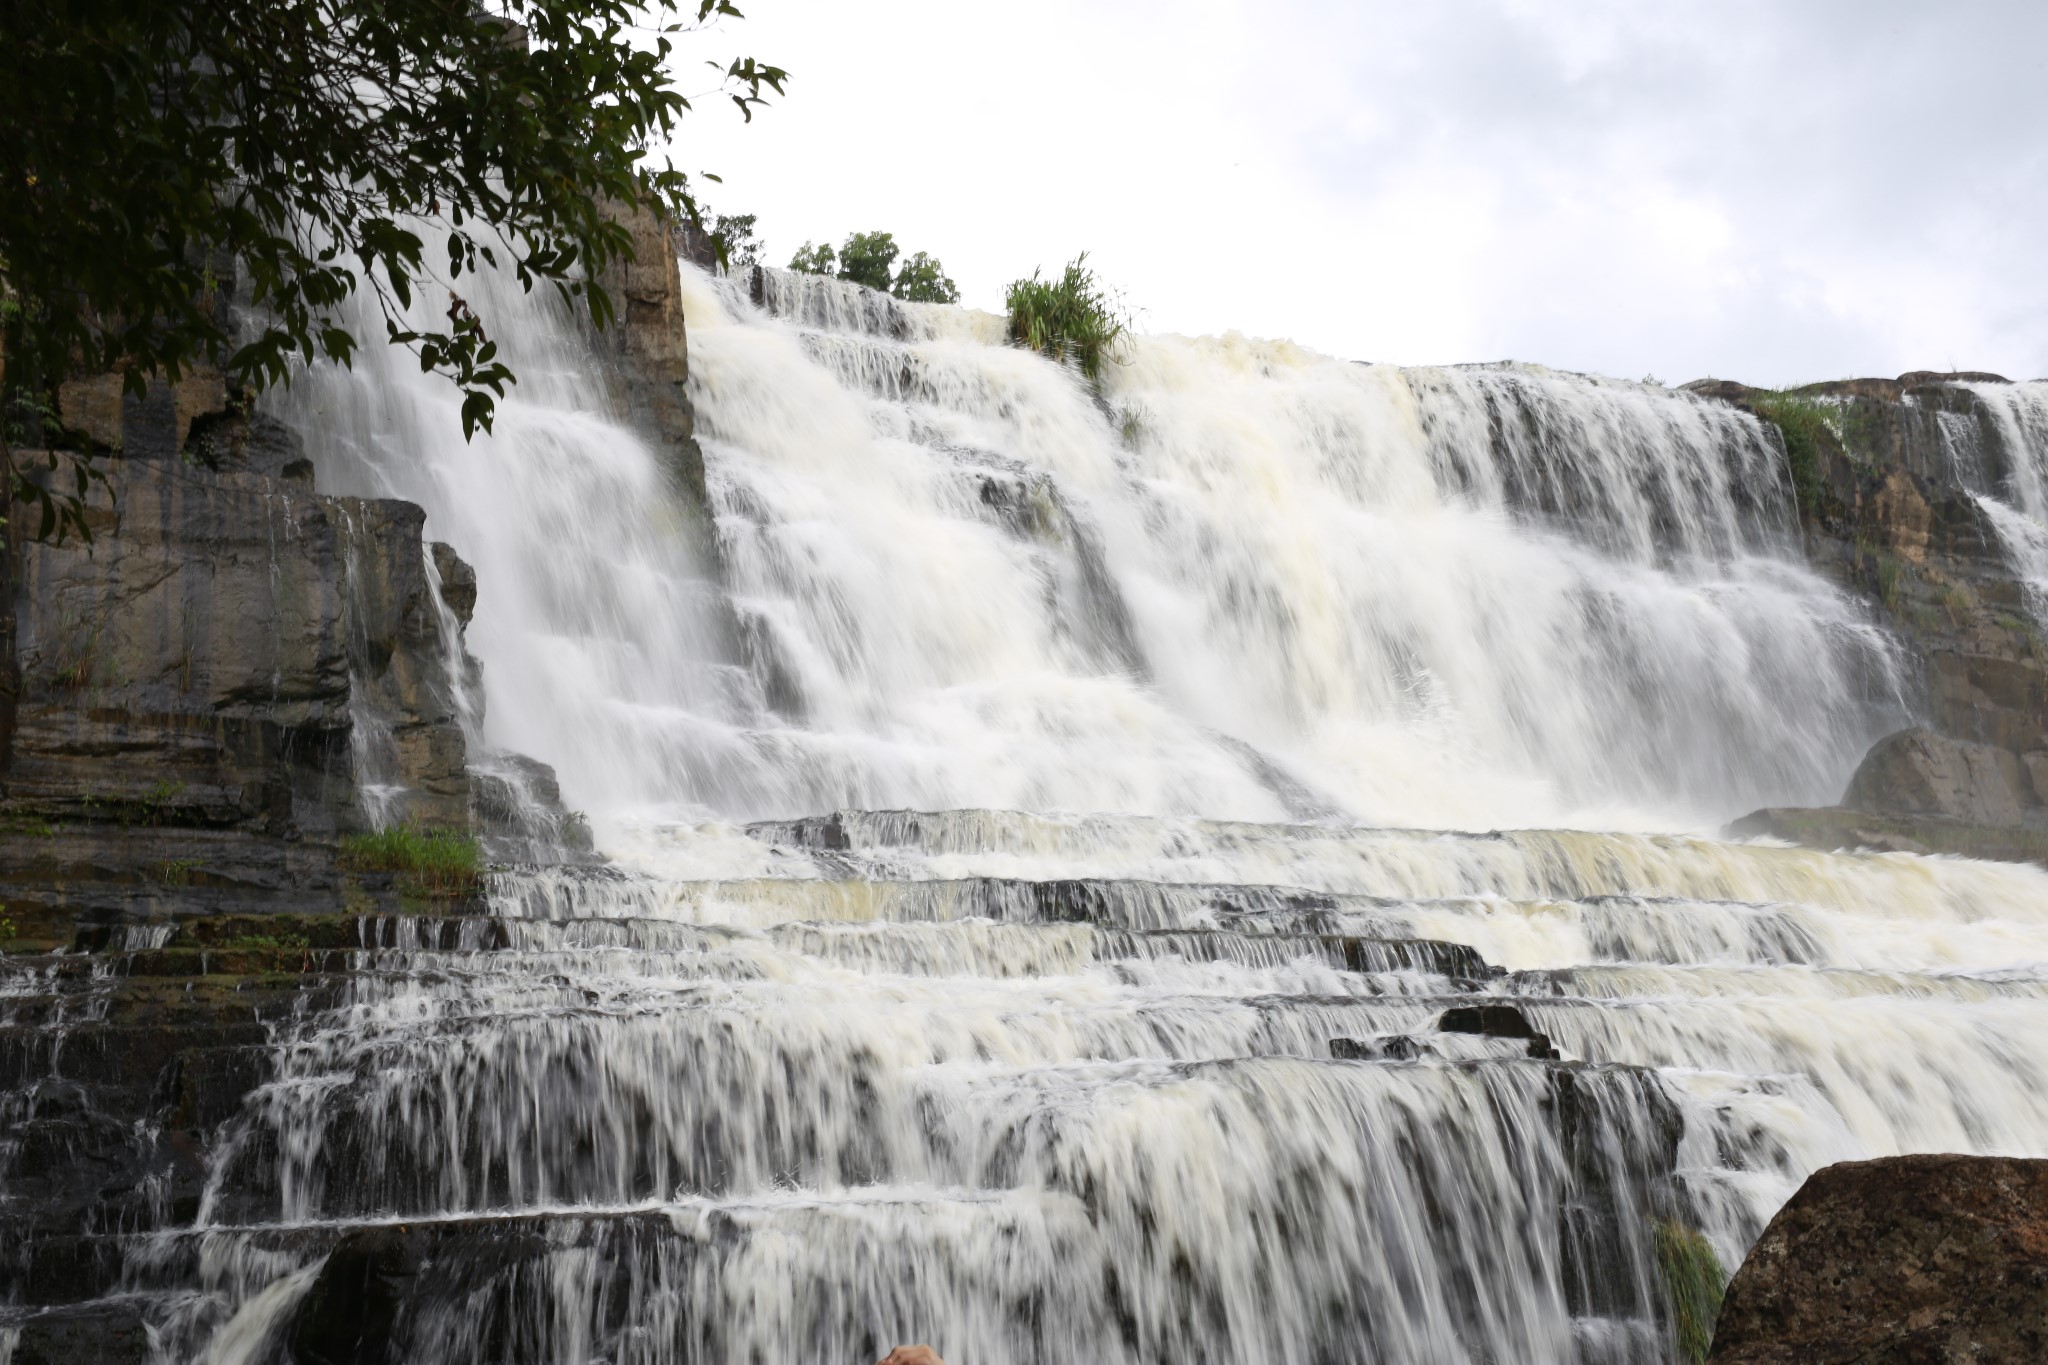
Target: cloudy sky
{"x":1769,"y":190}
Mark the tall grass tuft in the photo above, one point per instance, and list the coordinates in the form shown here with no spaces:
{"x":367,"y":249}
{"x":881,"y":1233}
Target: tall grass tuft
{"x":1074,"y":320}
{"x":434,"y":862}
{"x":1695,"y":1281}
{"x":1807,"y":425}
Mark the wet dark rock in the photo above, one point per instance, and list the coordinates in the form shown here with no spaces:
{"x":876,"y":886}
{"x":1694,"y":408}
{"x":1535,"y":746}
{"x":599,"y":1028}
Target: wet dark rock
{"x":123,"y":1063}
{"x":477,"y":1290}
{"x":1392,"y":1047}
{"x":109,"y":1333}
{"x":458,"y":580}
{"x":348,"y":1315}
{"x":1904,"y":1259}
{"x":520,"y":816}
{"x":1496,"y":1021}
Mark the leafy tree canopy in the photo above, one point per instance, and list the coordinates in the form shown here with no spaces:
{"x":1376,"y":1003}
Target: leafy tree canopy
{"x":814,"y":259}
{"x":308,"y":145}
{"x":869,"y":258}
{"x":732,"y":237}
{"x":923,"y":280}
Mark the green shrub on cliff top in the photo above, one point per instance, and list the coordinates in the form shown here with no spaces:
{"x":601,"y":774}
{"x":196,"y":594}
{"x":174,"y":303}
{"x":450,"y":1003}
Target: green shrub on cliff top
{"x":1695,"y":1282}
{"x":869,"y":258}
{"x":923,"y":280}
{"x":1806,"y":425}
{"x":438,"y":862}
{"x":1074,"y":320}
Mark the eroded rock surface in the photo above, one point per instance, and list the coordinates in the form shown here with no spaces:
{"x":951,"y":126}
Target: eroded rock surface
{"x":208,"y":691}
{"x":1917,"y":772}
{"x":1906,"y":1259}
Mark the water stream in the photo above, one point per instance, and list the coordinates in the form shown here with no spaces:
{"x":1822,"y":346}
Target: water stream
{"x":1020,"y":790}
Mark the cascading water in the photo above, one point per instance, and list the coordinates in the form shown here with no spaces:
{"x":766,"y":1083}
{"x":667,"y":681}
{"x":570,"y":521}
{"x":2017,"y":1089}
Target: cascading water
{"x":2018,"y":511}
{"x":1188,"y":670}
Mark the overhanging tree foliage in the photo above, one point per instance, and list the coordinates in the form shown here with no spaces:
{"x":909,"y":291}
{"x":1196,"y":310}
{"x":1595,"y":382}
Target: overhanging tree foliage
{"x":317,"y":148}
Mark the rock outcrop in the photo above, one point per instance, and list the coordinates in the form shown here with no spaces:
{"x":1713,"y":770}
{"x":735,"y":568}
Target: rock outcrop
{"x":1892,"y":514}
{"x":647,"y":354}
{"x":1905,"y":1259}
{"x":1920,"y":792}
{"x":1891,"y":474}
{"x":230,"y":675}
{"x":1917,"y":772}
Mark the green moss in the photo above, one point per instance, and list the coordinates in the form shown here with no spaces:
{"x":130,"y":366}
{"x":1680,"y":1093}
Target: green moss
{"x":1806,"y":426}
{"x":1958,"y":601}
{"x":1694,"y":1281}
{"x":1891,"y":580}
{"x":177,"y":872}
{"x":432,"y":862}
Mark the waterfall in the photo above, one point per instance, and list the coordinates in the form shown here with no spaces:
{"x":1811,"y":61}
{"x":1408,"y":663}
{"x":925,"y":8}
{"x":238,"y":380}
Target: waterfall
{"x":2018,"y":511}
{"x":1052,"y":832}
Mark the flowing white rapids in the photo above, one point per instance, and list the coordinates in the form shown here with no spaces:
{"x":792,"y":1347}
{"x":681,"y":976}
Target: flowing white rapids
{"x":1248,"y":582}
{"x":1190,"y":674}
{"x":2018,"y":509}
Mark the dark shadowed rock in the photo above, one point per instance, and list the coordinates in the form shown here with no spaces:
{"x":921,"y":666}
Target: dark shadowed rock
{"x":348,"y":1314}
{"x":458,"y":581}
{"x":1913,"y":379}
{"x":1906,"y":1259}
{"x":1917,"y":772}
{"x":1496,"y":1021}
{"x":110,"y":1333}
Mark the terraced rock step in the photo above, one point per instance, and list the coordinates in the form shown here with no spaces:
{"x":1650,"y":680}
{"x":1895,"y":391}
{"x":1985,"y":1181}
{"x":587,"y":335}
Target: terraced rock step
{"x":597,"y":1119}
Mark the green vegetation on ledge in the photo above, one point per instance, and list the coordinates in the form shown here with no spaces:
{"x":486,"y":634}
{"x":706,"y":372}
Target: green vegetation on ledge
{"x":1694,"y":1279}
{"x":1073,"y":320}
{"x":435,"y":862}
{"x":1806,"y":426}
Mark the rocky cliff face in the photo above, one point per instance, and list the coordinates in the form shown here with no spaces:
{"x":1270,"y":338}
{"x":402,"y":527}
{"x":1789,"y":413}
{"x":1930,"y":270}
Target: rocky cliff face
{"x":198,"y":707}
{"x":1894,"y":474}
{"x":230,"y":675}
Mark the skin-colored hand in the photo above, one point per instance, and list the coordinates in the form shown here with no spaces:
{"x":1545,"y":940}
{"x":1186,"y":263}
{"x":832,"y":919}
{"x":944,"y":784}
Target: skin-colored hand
{"x":912,"y":1355}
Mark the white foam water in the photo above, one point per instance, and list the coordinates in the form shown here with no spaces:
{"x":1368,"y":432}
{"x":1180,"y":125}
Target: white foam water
{"x":1111,"y":756}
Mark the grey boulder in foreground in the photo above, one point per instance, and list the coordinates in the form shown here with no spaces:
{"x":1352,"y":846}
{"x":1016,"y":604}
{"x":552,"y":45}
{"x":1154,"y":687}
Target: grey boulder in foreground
{"x":1917,"y":1259}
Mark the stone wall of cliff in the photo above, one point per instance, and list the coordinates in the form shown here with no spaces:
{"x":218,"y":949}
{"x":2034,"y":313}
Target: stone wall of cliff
{"x":1893,"y":517}
{"x":206,"y":690}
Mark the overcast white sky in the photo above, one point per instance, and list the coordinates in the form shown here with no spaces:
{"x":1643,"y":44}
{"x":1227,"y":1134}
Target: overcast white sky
{"x":1767,"y":190}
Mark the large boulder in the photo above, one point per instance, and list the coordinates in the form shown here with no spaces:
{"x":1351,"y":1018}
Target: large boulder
{"x":1904,"y":1259}
{"x":1917,"y":772}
